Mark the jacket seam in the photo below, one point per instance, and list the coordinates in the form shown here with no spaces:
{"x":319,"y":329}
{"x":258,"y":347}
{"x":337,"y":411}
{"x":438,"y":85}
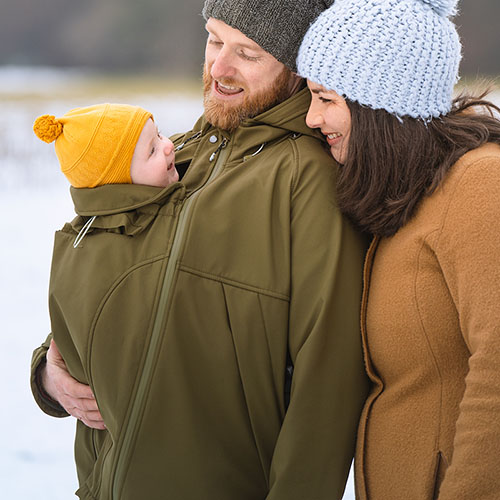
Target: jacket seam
{"x":467,"y":169}
{"x":242,"y":384}
{"x":443,"y":256}
{"x":361,"y":484}
{"x":296,"y":160}
{"x":132,"y":396}
{"x":231,"y":282}
{"x":103,"y":302}
{"x":424,"y":331}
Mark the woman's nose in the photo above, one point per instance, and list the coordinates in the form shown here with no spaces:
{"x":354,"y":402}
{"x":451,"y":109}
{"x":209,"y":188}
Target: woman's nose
{"x":314,"y":119}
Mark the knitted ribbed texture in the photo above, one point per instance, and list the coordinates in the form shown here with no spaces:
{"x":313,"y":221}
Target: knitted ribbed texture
{"x":397,"y":55}
{"x":95,"y":144}
{"x":276,"y":25}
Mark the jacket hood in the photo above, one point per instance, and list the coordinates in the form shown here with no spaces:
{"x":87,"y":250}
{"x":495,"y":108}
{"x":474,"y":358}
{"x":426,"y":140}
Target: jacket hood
{"x":284,"y":119}
{"x":115,"y":198}
{"x":290,"y":115}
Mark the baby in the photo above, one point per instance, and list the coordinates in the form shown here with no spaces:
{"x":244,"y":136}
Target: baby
{"x":109,"y":144}
{"x":115,"y":271}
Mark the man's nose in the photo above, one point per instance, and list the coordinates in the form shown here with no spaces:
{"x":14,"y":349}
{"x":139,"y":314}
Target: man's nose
{"x":223,"y":65}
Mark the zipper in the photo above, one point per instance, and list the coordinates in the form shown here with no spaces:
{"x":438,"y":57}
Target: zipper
{"x":165,"y":295}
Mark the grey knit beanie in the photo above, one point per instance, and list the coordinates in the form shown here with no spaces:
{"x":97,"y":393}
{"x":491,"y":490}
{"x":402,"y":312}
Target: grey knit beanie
{"x":278,"y":26}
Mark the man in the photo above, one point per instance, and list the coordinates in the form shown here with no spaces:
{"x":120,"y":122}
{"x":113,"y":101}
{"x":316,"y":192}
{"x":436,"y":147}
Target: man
{"x":263,"y":272}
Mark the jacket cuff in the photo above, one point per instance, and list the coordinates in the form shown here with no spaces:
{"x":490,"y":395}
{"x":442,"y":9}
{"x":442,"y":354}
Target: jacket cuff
{"x":43,"y":400}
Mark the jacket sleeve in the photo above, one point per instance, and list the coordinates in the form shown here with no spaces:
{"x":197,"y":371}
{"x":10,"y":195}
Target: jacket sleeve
{"x":316,"y":443}
{"x":46,"y":404}
{"x":469,"y":252}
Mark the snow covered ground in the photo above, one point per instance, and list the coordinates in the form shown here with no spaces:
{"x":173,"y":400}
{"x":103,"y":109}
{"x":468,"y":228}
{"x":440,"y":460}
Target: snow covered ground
{"x":36,"y":451}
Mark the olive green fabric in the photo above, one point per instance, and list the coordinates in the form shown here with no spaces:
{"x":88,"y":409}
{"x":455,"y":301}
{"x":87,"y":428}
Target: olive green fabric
{"x":178,"y":308}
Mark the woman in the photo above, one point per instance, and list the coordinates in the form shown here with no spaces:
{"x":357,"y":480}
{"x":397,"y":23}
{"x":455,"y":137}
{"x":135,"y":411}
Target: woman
{"x":421,"y":171}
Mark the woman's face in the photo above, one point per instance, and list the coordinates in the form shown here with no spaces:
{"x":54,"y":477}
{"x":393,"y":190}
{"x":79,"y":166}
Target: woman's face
{"x":329,"y":112}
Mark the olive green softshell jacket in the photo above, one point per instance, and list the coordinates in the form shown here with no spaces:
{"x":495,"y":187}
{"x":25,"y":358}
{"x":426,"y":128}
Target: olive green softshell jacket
{"x":179,"y":305}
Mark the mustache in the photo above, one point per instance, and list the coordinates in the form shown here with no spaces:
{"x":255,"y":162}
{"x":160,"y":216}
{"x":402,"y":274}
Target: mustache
{"x":230,"y":82}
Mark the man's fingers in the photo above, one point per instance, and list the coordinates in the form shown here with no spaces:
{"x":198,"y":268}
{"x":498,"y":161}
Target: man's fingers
{"x":76,"y":398}
{"x":90,"y":417}
{"x":74,"y":389}
{"x":78,"y":406}
{"x":99,"y":425}
{"x":54,"y":356}
{"x":82,"y":405}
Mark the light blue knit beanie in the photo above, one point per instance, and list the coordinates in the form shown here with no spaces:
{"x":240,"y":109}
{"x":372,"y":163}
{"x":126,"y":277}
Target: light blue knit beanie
{"x":397,"y":55}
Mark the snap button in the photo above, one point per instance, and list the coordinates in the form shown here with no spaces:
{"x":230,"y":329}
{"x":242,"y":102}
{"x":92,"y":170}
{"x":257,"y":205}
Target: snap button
{"x":213,"y":139}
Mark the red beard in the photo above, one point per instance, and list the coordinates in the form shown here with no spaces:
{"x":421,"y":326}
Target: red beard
{"x":228,"y":116}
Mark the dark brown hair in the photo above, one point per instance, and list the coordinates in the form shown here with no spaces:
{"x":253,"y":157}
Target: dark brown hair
{"x":393,"y":162}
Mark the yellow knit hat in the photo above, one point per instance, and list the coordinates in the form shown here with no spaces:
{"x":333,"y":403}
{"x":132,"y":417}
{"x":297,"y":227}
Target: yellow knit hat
{"x":95,"y":144}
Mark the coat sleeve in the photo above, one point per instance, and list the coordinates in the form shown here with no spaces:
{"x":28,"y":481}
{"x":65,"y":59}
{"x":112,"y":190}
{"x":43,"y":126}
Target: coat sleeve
{"x":46,"y":404}
{"x":316,"y":443}
{"x":469,"y":250}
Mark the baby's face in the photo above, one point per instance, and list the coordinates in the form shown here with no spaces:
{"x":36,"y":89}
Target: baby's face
{"x":153,"y":161}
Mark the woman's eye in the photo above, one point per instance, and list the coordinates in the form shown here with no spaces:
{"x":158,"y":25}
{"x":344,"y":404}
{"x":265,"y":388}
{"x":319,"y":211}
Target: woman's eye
{"x":324,"y":99}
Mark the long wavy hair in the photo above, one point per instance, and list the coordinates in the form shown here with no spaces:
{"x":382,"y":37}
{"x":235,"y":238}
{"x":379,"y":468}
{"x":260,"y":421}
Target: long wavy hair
{"x":392,"y":163}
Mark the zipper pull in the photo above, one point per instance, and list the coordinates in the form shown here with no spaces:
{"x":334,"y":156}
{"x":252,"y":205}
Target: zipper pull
{"x":222,"y":145}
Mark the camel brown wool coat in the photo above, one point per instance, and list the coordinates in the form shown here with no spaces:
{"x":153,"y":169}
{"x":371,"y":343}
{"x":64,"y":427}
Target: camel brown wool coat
{"x":179,"y":306}
{"x":431,"y":327}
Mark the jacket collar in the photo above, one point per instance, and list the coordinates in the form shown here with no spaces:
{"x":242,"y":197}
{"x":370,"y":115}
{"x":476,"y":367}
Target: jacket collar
{"x":286,"y":118}
{"x":116,"y":198}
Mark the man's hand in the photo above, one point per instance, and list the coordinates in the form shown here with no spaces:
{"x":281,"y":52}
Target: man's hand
{"x":76,"y":398}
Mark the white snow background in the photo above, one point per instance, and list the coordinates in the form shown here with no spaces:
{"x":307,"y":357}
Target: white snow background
{"x":36,"y":451}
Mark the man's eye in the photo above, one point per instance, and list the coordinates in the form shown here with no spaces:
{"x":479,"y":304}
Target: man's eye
{"x":248,"y":58}
{"x":214,"y":42}
{"x":323,"y":99}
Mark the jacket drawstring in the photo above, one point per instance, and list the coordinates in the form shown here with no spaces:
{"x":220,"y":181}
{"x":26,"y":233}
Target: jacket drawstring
{"x":83,"y":231}
{"x":195,"y":136}
{"x":261,"y":147}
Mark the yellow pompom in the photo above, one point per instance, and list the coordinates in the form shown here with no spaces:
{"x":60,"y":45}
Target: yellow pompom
{"x":47,"y":128}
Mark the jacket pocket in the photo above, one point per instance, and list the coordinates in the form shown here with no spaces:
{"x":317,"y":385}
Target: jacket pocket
{"x":440,"y":471}
{"x":255,"y":321}
{"x":92,"y":448}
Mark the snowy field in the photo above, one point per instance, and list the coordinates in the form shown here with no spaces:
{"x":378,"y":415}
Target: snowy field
{"x":36,"y":451}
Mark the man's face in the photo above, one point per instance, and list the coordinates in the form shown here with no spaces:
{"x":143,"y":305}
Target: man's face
{"x":241,"y":80}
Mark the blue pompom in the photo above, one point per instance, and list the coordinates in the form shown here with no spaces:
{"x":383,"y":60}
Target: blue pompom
{"x":444,"y":8}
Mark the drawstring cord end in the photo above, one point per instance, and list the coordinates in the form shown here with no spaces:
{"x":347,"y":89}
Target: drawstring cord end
{"x":83,"y":231}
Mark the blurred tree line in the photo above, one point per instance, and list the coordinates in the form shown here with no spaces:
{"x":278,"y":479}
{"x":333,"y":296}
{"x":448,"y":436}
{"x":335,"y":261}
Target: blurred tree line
{"x":167,"y":36}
